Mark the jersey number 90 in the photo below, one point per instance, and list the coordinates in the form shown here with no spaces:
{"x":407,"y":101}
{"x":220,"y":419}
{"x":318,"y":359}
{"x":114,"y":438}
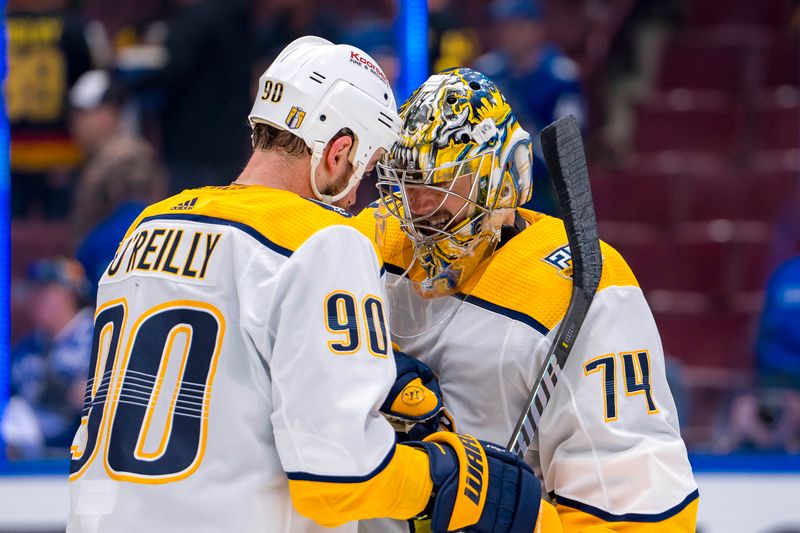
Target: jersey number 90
{"x":342,"y":318}
{"x":149,"y":400}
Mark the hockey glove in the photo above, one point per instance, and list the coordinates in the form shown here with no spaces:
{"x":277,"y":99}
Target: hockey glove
{"x":414,"y":403}
{"x":479,"y":487}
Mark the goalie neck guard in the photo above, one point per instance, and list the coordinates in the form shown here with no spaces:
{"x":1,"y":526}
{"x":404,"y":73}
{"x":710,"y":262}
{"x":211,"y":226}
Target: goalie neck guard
{"x":461,"y":162}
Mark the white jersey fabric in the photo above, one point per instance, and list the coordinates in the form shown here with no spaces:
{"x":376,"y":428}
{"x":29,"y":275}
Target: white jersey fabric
{"x":608,"y":444}
{"x":225,"y":360}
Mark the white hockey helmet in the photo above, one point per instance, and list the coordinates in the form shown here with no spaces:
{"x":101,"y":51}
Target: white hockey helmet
{"x":316,"y":88}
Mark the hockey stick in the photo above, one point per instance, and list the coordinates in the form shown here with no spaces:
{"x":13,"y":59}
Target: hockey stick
{"x":566,"y":164}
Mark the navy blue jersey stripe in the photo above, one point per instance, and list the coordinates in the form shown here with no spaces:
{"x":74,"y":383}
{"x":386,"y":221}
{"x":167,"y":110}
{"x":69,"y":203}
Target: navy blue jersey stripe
{"x":628,"y":517}
{"x":305,"y":476}
{"x":489,"y":306}
{"x":257,"y":235}
{"x":510,"y":313}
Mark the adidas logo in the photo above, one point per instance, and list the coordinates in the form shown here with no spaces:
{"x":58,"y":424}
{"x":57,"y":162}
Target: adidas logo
{"x":184,"y":206}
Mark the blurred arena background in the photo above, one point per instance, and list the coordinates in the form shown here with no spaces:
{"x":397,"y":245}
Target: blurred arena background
{"x":691,"y":116}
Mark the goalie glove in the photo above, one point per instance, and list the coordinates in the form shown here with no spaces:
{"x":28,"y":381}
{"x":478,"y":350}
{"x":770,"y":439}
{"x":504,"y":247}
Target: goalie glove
{"x":478,"y":487}
{"x":414,"y":404}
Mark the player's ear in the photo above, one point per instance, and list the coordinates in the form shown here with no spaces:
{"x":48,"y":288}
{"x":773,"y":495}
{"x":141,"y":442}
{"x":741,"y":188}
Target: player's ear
{"x":338,"y":152}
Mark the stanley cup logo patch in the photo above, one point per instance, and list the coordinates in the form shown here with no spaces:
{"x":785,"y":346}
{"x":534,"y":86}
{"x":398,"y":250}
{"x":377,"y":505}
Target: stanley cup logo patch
{"x":295,"y":118}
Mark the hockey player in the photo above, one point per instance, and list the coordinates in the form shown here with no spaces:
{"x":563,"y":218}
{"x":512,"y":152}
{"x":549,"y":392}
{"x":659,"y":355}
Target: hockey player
{"x":241,"y":350}
{"x":478,"y":287}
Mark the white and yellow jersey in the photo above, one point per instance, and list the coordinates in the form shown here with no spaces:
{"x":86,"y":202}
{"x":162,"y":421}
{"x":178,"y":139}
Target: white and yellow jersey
{"x":240,"y":354}
{"x":608,"y":450}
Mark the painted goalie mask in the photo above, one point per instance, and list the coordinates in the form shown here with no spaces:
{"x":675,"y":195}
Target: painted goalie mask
{"x":461,"y":162}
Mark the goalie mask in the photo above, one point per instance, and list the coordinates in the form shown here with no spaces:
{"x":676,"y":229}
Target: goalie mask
{"x":461,"y":162}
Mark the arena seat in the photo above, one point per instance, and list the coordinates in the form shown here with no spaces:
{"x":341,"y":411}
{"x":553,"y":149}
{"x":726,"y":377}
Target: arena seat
{"x":721,"y":340}
{"x":635,"y":197}
{"x":692,"y":267}
{"x":37,"y":239}
{"x":736,"y":196}
{"x":778,"y":119}
{"x":689,"y":121}
{"x":32,"y":240}
{"x":692,"y":63}
{"x":766,"y":13}
{"x":781,"y":62}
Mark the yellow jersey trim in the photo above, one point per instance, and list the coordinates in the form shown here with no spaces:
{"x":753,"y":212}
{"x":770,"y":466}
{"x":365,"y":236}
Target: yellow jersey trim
{"x":400,"y":490}
{"x":579,"y":517}
{"x":281,"y":220}
{"x":517,"y":280}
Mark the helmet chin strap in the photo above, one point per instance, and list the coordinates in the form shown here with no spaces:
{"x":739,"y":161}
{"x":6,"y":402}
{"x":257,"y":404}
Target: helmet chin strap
{"x":316,"y":157}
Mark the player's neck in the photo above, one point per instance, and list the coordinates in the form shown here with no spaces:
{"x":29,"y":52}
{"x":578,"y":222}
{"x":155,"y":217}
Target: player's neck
{"x":278,"y":171}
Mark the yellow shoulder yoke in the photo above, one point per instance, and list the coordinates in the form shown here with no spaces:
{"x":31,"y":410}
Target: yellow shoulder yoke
{"x":532,"y":273}
{"x":280,"y":217}
{"x":529,"y":278}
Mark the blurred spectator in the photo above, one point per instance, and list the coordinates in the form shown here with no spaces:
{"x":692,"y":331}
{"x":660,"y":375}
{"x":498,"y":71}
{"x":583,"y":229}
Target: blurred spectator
{"x":280,"y":22}
{"x":94,"y":112}
{"x":631,"y":72}
{"x":203,"y":135}
{"x":540,"y":82}
{"x":47,"y":50}
{"x":49,"y":367}
{"x":121,"y":177}
{"x":452,"y":43}
{"x":786,"y":239}
{"x":779,"y":338}
{"x":769,"y":417}
{"x":677,"y":386}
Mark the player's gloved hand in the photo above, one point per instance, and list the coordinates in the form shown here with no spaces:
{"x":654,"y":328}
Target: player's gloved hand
{"x":414,"y":403}
{"x":479,"y":487}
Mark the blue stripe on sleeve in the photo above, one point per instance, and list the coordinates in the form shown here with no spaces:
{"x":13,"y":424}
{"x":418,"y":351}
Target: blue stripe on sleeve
{"x":306,"y":476}
{"x":627,"y":517}
{"x":485,"y":304}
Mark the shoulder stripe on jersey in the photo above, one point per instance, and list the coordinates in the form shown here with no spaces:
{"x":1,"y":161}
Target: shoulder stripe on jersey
{"x":628,"y":517}
{"x":222,"y":222}
{"x":305,"y":476}
{"x":510,"y":313}
{"x":485,"y":304}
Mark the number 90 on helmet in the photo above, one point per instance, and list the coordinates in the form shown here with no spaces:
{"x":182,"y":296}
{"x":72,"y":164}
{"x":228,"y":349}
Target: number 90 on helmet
{"x":314,"y":89}
{"x":462,"y":161}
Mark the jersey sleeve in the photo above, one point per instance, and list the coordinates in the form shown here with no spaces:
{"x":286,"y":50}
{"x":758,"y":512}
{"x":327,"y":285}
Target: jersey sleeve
{"x":609,"y":443}
{"x":331,"y":368}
